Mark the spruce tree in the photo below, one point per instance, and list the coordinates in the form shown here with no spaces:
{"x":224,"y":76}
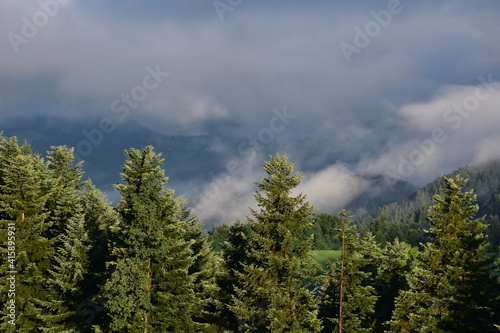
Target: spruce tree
{"x":24,"y":192}
{"x":69,"y":265}
{"x":150,"y":289}
{"x":235,"y":257}
{"x":64,"y":202}
{"x":101,"y":223}
{"x":397,"y":261}
{"x":64,"y":283}
{"x":277,"y":293}
{"x":448,"y":292}
{"x":348,"y":298}
{"x":203,"y":270}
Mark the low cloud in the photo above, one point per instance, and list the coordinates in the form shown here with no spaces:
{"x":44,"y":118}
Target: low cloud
{"x":229,"y":194}
{"x":374,"y":114}
{"x":333,"y":188}
{"x":458,"y":126}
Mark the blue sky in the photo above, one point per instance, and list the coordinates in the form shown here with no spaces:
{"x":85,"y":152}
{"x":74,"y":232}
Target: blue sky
{"x":375,"y":109}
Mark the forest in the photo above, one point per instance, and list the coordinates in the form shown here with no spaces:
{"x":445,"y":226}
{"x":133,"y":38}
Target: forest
{"x":72,"y":262}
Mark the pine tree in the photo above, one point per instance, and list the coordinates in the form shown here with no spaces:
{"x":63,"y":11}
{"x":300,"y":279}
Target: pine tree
{"x":235,"y":257}
{"x":397,"y":261}
{"x":277,"y":293}
{"x":204,"y":272}
{"x":101,"y":223}
{"x":64,"y":202}
{"x":69,"y":265}
{"x":24,"y":192}
{"x":348,"y":298}
{"x":448,"y":291}
{"x":150,"y":289}
{"x":59,"y":314}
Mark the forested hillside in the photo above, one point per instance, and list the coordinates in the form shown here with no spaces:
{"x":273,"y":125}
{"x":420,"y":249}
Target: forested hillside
{"x":407,"y":218}
{"x":73,"y":263}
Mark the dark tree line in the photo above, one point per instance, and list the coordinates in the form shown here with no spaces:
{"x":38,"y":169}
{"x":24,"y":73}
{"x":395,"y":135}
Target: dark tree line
{"x":148,"y":266}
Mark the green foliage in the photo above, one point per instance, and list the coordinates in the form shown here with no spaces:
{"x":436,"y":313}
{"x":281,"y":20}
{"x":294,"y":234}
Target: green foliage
{"x":348,"y":298}
{"x":407,"y":218}
{"x":235,"y":257}
{"x":24,"y":191}
{"x":150,"y":288}
{"x":148,"y":265}
{"x":324,"y":257}
{"x":64,"y":202}
{"x":64,"y":283}
{"x":69,"y":240}
{"x":277,"y":291}
{"x":448,"y":291}
{"x":204,"y":272}
{"x":396,"y":263}
{"x":325,"y":229}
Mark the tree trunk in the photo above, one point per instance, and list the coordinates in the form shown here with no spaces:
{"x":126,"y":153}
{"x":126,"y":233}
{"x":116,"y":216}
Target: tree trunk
{"x":341,"y":287}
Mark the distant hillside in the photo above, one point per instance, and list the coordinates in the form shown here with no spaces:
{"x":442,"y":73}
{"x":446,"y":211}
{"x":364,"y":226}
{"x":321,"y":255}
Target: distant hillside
{"x":406,"y":218}
{"x":104,"y":157}
{"x":382,"y":190}
{"x":192,"y":159}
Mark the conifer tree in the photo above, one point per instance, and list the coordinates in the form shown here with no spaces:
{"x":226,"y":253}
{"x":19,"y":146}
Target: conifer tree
{"x":69,"y":242}
{"x":64,"y":283}
{"x":348,"y":298}
{"x":101,"y":223}
{"x":64,"y":202}
{"x":24,"y":192}
{"x":150,"y":289}
{"x":234,"y":257}
{"x":277,"y":293}
{"x":448,"y":291}
{"x":203,"y":270}
{"x":397,"y":261}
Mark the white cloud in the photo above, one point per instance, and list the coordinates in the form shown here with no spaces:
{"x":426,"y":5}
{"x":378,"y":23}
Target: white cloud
{"x":458,"y":126}
{"x":228,"y":195}
{"x":332,"y":188}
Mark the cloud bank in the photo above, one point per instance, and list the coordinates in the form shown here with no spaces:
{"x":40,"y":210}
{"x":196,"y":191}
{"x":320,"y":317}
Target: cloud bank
{"x":388,"y":107}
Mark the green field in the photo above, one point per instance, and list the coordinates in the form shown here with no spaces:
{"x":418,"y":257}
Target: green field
{"x":323,"y":256}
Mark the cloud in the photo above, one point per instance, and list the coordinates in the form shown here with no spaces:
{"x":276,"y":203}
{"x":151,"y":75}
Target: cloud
{"x":229,"y":194}
{"x":225,"y":77}
{"x":458,"y":126}
{"x":333,"y":188}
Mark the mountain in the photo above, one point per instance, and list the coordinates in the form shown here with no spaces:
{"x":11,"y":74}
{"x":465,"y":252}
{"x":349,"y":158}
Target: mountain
{"x":102,"y":151}
{"x":189,"y":159}
{"x":407,"y":218}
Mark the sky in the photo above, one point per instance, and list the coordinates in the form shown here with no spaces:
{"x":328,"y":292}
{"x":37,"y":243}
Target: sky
{"x":408,"y":89}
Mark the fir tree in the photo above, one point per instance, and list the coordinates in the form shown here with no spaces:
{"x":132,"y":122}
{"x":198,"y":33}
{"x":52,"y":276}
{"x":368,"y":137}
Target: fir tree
{"x":58,"y":314}
{"x":69,"y":265}
{"x":150,"y":289}
{"x":448,"y":291}
{"x":235,"y":257}
{"x":64,"y":201}
{"x":277,"y":293}
{"x":24,"y":192}
{"x":101,"y":223}
{"x":203,"y":270}
{"x":397,"y":261}
{"x":348,"y":299}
